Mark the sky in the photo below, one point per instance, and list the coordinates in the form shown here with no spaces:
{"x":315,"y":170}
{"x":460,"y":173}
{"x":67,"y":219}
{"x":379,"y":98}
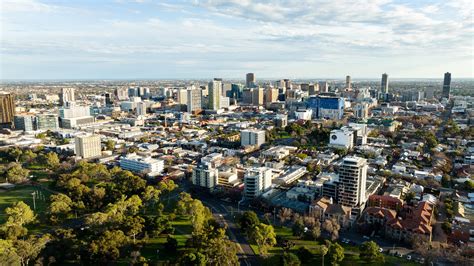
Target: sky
{"x":180,"y":39}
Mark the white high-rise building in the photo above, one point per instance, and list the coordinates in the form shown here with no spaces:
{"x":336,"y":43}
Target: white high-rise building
{"x":205,"y":175}
{"x":257,"y":180}
{"x":67,"y":95}
{"x":194,"y":99}
{"x":182,"y":96}
{"x":352,"y":183}
{"x":141,"y":108}
{"x":250,"y":137}
{"x":215,"y":89}
{"x":88,"y":146}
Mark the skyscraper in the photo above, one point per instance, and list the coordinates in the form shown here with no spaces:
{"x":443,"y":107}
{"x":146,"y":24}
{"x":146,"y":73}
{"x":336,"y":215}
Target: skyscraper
{"x":7,"y":109}
{"x":348,"y":82}
{"x":384,"y":84}
{"x":215,"y":89}
{"x":141,"y":108}
{"x":67,"y":95}
{"x":250,"y":80}
{"x":447,"y":85}
{"x":194,"y":103}
{"x":323,"y":86}
{"x":352,"y":182}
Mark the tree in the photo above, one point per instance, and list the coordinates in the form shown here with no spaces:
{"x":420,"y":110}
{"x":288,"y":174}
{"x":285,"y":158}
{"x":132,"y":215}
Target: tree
{"x":19,"y":214}
{"x":8,"y":254}
{"x":323,"y":250}
{"x":110,"y":145}
{"x":369,"y":252}
{"x":304,"y":254}
{"x":29,"y":249}
{"x":194,"y":258}
{"x":107,"y":246}
{"x":332,"y":227}
{"x":15,"y":154}
{"x":194,"y":208}
{"x":265,"y":237}
{"x":336,"y":253}
{"x":248,"y":221}
{"x":298,"y":228}
{"x":171,"y":245}
{"x":469,"y":185}
{"x":290,"y":259}
{"x":52,"y":160}
{"x":16,"y":174}
{"x":60,"y":207}
{"x":316,"y":230}
{"x":284,"y":214}
{"x":28,"y":156}
{"x":447,"y":227}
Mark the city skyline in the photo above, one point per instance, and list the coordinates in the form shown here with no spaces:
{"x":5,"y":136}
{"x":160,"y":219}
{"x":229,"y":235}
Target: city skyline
{"x":206,"y":39}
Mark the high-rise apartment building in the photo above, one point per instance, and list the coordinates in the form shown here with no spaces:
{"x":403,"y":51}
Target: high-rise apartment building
{"x":257,"y":96}
{"x":66,"y":95}
{"x":205,"y":175}
{"x":348,"y":82}
{"x":7,"y":109}
{"x":250,"y":80}
{"x":182,"y":96}
{"x":88,"y":146}
{"x":194,"y":97}
{"x":257,"y":181}
{"x":250,"y":137}
{"x":121,"y":94}
{"x":323,"y":87}
{"x":352,"y":182}
{"x":215,"y":89}
{"x":271,"y":95}
{"x":384,"y":83}
{"x":447,"y":85}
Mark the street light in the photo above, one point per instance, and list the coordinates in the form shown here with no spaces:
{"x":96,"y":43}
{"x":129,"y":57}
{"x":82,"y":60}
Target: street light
{"x":34,"y":202}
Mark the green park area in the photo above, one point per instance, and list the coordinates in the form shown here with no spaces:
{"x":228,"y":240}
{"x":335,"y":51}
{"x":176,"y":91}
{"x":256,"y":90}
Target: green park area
{"x":24,"y":193}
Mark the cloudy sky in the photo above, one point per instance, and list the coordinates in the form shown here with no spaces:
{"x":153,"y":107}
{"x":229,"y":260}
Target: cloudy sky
{"x":93,"y":39}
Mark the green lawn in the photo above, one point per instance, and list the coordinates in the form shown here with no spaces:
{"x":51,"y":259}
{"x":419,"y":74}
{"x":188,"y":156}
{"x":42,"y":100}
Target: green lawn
{"x":23,"y":193}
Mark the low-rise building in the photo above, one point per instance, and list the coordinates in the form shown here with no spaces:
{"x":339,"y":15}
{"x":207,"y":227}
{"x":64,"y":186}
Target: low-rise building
{"x":139,"y":164}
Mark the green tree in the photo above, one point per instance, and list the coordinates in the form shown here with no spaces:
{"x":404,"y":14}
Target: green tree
{"x":52,"y":160}
{"x":469,"y":185}
{"x":30,"y":249}
{"x":332,"y":227}
{"x":298,"y":228}
{"x":264,"y":236}
{"x":110,"y":145}
{"x":290,"y":259}
{"x":248,"y":221}
{"x":19,"y":214}
{"x":60,"y":207}
{"x":194,"y":258}
{"x":107,"y":247}
{"x":8,"y":254}
{"x":16,"y":174}
{"x":28,"y":156}
{"x":336,"y":253}
{"x":369,"y":252}
{"x":15,"y":154}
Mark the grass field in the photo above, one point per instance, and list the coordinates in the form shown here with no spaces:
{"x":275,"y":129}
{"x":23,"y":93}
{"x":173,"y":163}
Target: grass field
{"x":23,"y":193}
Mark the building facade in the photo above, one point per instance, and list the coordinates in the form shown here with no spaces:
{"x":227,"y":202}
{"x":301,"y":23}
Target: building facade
{"x":88,"y":146}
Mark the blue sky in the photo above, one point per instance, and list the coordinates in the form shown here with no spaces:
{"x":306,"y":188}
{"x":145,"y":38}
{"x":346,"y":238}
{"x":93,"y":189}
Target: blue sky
{"x":93,"y":39}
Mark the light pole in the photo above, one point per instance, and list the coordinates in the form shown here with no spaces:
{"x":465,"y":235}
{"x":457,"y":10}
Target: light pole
{"x":34,"y":202}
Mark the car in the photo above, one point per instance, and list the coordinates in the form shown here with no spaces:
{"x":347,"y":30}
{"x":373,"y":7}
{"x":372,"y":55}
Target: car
{"x":366,"y":237}
{"x":398,"y":255}
{"x":380,"y":250}
{"x":408,"y":257}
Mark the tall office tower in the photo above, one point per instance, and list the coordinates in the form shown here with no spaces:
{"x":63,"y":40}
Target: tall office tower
{"x":133,"y":92}
{"x":447,"y":85}
{"x":352,"y":182}
{"x":194,"y":104}
{"x":313,"y":89}
{"x":121,"y":94}
{"x":384,"y":83}
{"x":271,"y":95}
{"x":108,"y":99}
{"x":250,"y":80}
{"x":288,"y":84}
{"x":141,"y":108}
{"x":7,"y":109}
{"x":348,"y":83}
{"x":250,"y":137}
{"x":215,"y":89}
{"x":235,"y":91}
{"x":323,"y":87}
{"x":304,"y":86}
{"x":257,"y":96}
{"x":87,"y":146}
{"x":182,"y":96}
{"x":429,"y":92}
{"x":24,"y":122}
{"x":67,"y":95}
{"x":256,"y":181}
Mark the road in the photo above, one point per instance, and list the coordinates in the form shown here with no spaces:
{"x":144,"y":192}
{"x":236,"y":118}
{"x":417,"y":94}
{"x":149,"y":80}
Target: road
{"x":221,"y":214}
